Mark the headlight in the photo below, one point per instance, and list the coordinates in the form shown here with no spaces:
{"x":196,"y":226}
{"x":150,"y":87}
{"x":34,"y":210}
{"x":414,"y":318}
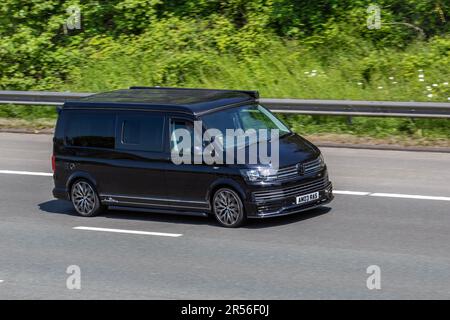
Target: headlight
{"x":322,"y":161}
{"x":259,"y":174}
{"x":251,"y":174}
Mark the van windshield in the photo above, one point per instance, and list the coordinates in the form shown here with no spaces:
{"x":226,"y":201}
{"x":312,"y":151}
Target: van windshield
{"x":246,"y":117}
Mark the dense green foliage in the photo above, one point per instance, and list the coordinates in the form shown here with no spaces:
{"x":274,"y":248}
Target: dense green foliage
{"x":284,"y":48}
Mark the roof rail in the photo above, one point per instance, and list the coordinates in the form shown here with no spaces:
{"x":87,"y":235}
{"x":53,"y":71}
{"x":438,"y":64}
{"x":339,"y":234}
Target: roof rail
{"x":252,"y":93}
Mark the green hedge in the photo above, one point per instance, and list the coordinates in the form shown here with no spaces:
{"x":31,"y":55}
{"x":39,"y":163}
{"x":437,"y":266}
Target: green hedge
{"x":285,"y":48}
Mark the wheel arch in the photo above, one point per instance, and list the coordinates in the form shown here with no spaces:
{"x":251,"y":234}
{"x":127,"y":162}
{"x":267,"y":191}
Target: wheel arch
{"x":235,"y":188}
{"x":225,"y":183}
{"x":77,"y":176}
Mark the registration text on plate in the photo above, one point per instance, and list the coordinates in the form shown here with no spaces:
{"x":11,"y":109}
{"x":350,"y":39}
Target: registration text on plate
{"x":307,"y":198}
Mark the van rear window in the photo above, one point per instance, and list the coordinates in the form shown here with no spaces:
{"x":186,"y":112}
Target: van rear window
{"x":89,"y":129}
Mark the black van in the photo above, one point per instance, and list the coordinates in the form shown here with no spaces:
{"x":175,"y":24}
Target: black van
{"x":113,"y":150}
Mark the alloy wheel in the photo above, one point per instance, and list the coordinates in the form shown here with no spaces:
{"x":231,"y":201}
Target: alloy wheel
{"x":228,"y":208}
{"x":84,"y":198}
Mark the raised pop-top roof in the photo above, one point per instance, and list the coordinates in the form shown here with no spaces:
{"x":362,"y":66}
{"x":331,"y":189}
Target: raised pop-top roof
{"x":196,"y":101}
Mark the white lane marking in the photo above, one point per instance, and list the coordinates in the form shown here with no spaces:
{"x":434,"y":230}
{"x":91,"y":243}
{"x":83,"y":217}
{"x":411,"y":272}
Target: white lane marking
{"x":355,"y":193}
{"x":161,"y":234}
{"x":409,"y":196}
{"x":392,"y":195}
{"x":344,"y":192}
{"x":27,"y":173}
{"x":1,"y":281}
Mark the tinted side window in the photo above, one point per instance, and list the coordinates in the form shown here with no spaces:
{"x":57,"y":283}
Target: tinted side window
{"x":131,"y":131}
{"x":180,"y":124}
{"x":143,"y":132}
{"x":90,"y":129}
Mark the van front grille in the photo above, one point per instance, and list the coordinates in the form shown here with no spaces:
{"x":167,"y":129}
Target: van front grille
{"x":295,"y":171}
{"x":312,"y":166}
{"x":285,"y":173}
{"x":284,"y":193}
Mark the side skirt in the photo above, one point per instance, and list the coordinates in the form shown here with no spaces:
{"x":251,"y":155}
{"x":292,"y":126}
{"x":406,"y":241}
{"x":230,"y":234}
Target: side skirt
{"x":157,"y":205}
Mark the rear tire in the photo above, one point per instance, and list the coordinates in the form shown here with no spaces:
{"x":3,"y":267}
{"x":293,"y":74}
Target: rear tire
{"x":228,"y":208}
{"x":85,"y":199}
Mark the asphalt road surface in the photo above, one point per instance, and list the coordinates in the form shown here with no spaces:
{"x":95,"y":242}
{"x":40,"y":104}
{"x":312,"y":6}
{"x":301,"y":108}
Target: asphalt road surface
{"x":392,"y":210}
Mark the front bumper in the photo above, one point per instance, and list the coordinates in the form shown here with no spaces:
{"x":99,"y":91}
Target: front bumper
{"x":282,"y":201}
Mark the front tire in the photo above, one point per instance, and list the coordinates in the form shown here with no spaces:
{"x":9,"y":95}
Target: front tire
{"x":85,"y":199}
{"x":228,"y":208}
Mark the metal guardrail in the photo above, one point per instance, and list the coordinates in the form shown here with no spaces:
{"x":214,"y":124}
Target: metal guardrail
{"x":296,"y":106}
{"x":47,"y":98}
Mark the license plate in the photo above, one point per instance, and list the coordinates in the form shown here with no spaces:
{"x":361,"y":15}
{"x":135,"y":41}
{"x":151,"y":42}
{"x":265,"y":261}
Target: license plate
{"x":307,"y":198}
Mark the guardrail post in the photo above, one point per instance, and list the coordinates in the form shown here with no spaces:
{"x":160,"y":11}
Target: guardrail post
{"x":349,"y":120}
